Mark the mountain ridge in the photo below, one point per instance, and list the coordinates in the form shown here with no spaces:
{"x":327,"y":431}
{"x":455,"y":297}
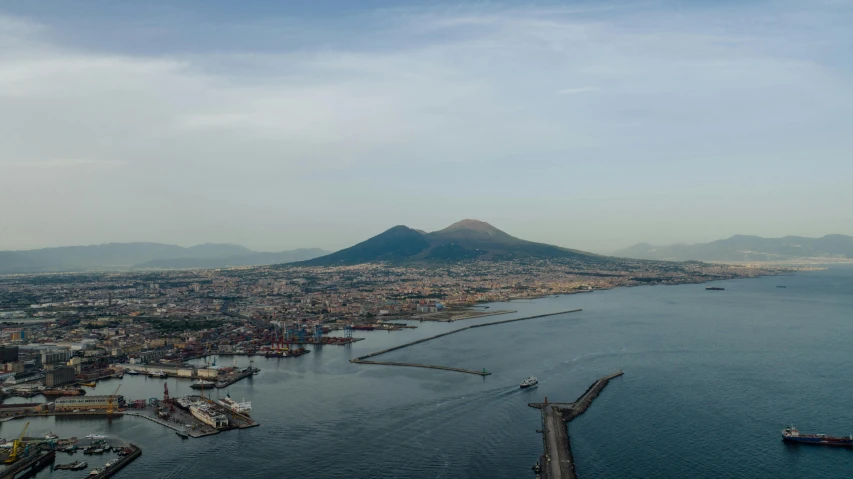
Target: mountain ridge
{"x":748,"y":248}
{"x":141,"y":255}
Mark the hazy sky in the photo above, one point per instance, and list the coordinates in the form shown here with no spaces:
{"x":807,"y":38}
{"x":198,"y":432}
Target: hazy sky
{"x":289,"y":124}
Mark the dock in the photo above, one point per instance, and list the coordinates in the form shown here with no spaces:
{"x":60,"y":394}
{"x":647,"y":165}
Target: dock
{"x":122,"y":462}
{"x":364,"y":359}
{"x":556,"y":461}
{"x":29,"y":465}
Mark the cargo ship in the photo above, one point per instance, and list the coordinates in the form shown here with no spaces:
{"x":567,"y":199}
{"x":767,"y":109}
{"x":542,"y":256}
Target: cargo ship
{"x":714,"y":288}
{"x":57,"y":392}
{"x":791,"y":434}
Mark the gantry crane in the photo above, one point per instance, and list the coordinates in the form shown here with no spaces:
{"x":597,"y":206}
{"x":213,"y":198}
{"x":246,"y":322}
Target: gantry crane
{"x":16,"y":446}
{"x":111,"y":400}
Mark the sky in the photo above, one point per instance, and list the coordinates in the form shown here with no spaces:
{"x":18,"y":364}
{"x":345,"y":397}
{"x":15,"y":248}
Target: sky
{"x":278,"y":125}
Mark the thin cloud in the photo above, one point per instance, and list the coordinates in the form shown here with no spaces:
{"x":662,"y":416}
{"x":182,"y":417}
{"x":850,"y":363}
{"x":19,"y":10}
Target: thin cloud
{"x":575,"y":91}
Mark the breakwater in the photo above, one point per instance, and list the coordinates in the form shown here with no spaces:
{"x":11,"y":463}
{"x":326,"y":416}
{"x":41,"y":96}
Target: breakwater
{"x":364,"y":359}
{"x":556,"y":461}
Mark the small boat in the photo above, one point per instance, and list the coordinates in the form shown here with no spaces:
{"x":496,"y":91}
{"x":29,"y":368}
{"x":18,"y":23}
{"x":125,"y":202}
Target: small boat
{"x":77,"y":465}
{"x":529,"y":382}
{"x":202,"y":384}
{"x":96,"y":436}
{"x":132,"y":372}
{"x":791,"y":434}
{"x":110,"y":463}
{"x":714,"y":288}
{"x":95,"y":472}
{"x":157,"y":374}
{"x":50,"y":436}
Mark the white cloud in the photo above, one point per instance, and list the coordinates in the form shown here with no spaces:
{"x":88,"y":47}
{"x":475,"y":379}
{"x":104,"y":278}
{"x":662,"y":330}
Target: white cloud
{"x":468,"y":102}
{"x":576,"y":90}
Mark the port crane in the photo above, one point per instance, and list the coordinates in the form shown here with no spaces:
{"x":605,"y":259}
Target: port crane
{"x":111,"y":400}
{"x":16,"y":446}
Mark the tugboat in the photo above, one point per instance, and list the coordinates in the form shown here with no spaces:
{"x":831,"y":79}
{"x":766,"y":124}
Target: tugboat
{"x":791,"y":434}
{"x":529,"y":382}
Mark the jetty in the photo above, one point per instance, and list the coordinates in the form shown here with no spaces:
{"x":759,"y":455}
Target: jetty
{"x":556,"y":461}
{"x":365,"y":359}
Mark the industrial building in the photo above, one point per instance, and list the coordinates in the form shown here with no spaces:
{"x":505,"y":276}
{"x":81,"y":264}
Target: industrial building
{"x":58,"y":376}
{"x":85,"y":403}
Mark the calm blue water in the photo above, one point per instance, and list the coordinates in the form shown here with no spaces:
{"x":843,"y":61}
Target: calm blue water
{"x":710,"y":380}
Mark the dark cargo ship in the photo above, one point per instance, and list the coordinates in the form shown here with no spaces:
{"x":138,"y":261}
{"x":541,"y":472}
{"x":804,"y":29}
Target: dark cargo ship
{"x":791,"y":434}
{"x":715,"y":288}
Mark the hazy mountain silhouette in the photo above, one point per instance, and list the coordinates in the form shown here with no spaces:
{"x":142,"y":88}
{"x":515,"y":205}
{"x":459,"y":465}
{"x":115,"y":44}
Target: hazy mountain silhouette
{"x":748,"y":248}
{"x":121,"y":256}
{"x":465,"y":240}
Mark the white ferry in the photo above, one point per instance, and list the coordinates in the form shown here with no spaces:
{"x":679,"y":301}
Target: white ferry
{"x":529,"y":382}
{"x":205,"y":414}
{"x":243,"y":407}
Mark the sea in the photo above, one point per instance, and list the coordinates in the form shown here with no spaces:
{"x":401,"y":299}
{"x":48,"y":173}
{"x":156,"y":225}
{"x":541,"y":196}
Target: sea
{"x":711,"y":379}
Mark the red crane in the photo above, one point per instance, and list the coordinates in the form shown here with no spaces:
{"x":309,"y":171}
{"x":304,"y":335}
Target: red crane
{"x":166,"y":399}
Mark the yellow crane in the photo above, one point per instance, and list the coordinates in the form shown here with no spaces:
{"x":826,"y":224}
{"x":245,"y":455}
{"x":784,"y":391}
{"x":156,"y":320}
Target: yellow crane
{"x":111,"y":401}
{"x":16,"y":446}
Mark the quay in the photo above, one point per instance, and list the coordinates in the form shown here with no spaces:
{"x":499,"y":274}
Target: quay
{"x":556,"y":461}
{"x":122,"y":462}
{"x":363,"y":359}
{"x":30,"y":465}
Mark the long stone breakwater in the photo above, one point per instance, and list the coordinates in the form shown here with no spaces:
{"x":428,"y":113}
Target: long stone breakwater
{"x":364,"y":359}
{"x":556,"y":461}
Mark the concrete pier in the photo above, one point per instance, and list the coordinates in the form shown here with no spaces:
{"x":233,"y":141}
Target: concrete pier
{"x":557,"y":461}
{"x":362,"y":359}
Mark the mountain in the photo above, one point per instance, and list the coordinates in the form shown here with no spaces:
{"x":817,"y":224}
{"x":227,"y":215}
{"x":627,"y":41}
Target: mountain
{"x":749,"y":248}
{"x":124,"y":256}
{"x":461,"y":241}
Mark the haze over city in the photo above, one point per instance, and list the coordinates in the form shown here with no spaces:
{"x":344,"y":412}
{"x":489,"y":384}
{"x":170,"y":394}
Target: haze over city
{"x":588,"y":125}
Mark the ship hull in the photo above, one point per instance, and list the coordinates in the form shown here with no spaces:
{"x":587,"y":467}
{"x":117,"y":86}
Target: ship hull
{"x":821,"y":441}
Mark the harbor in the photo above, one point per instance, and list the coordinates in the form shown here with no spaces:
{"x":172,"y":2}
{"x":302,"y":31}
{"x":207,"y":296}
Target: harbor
{"x":556,"y":461}
{"x":365,"y":358}
{"x":103,"y":456}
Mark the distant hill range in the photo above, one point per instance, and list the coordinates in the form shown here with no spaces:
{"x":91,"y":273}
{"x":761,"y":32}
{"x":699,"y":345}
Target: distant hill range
{"x":742,"y":248}
{"x":128,"y":256}
{"x":462,"y":241}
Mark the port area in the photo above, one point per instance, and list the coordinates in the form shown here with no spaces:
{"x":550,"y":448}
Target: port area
{"x":222,"y":377}
{"x":556,"y":461}
{"x":95,"y":452}
{"x":365,"y":359}
{"x":177,"y":418}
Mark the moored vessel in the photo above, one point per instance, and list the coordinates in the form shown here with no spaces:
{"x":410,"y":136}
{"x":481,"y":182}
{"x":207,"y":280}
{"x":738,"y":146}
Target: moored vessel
{"x":202,"y":384}
{"x":243,"y":407}
{"x":791,"y":434}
